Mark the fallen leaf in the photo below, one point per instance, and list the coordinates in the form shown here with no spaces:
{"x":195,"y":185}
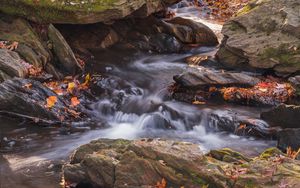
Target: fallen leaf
{"x":71,"y":87}
{"x":198,"y":102}
{"x":292,"y":154}
{"x":74,"y":101}
{"x":162,"y":184}
{"x":51,"y":101}
{"x":87,"y":79}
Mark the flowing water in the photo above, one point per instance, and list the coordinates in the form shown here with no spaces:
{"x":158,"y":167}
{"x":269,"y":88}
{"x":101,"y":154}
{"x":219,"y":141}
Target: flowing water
{"x":136,"y":105}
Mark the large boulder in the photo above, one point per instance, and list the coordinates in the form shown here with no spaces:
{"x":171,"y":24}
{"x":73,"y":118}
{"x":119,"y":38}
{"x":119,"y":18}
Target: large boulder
{"x":258,"y":39}
{"x":286,"y":116}
{"x":144,"y":163}
{"x":81,"y":12}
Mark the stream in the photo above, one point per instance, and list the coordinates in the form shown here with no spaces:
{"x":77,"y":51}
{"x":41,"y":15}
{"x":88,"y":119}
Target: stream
{"x":137,"y":105}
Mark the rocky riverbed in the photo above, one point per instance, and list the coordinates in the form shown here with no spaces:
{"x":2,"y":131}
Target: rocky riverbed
{"x":161,"y":75}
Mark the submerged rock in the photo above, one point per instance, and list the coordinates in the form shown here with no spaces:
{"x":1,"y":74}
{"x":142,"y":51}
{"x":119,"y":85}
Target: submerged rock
{"x":81,"y":12}
{"x":143,"y":163}
{"x":256,"y":39}
{"x":285,"y":116}
{"x":236,"y":123}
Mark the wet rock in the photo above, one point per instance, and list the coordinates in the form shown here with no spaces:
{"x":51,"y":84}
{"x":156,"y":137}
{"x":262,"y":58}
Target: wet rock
{"x":110,"y":39}
{"x":161,"y":43}
{"x":234,"y":122}
{"x":28,"y":97}
{"x":202,"y":77}
{"x":256,"y":39}
{"x":142,"y":163}
{"x":190,"y":32}
{"x":63,"y":51}
{"x":295,"y":81}
{"x":82,"y":12}
{"x":289,"y":138}
{"x":11,"y":65}
{"x":285,"y":116}
{"x":157,"y":121}
{"x":264,"y":93}
{"x":30,"y":47}
{"x":89,"y":37}
{"x":4,"y":76}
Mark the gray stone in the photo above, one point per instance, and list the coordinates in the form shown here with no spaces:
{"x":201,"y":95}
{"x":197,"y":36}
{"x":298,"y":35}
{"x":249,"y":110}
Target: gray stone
{"x":63,"y":51}
{"x":11,"y":64}
{"x":285,"y":116}
{"x":201,"y":77}
{"x":259,"y":40}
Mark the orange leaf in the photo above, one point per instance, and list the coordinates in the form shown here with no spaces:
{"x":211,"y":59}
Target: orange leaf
{"x":74,"y":101}
{"x":51,"y":101}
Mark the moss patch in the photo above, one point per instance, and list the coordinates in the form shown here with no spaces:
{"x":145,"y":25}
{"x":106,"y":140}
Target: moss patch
{"x":282,"y":54}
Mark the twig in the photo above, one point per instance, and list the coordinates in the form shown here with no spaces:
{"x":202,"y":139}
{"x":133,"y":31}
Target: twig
{"x":32,"y":118}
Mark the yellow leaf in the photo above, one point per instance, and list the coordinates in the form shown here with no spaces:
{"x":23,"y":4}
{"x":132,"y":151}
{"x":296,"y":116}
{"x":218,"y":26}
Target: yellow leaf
{"x":71,"y":87}
{"x":198,"y":102}
{"x":51,"y":101}
{"x":87,"y":79}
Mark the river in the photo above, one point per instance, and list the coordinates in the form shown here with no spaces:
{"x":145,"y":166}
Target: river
{"x":137,"y":105}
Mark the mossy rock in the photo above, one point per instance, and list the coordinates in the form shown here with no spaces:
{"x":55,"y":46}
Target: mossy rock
{"x":256,"y":39}
{"x":30,"y":46}
{"x":79,"y":11}
{"x":142,"y":163}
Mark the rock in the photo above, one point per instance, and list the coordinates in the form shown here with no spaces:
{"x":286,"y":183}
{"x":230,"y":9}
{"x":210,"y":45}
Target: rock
{"x":285,"y":116}
{"x":264,"y":93}
{"x":289,"y":138}
{"x":295,"y":81}
{"x":236,"y":123}
{"x":4,"y":76}
{"x":30,"y":47}
{"x":81,"y":12}
{"x":11,"y":65}
{"x":203,"y":77}
{"x":63,"y":51}
{"x":143,"y":163}
{"x":28,"y":97}
{"x":256,"y":39}
{"x":161,"y":43}
{"x":90,"y":37}
{"x":110,"y":39}
{"x":190,"y":32}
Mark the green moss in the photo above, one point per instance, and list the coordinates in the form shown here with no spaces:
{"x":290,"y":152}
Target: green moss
{"x":197,"y":180}
{"x":228,"y":155}
{"x":270,"y":152}
{"x":283,"y":54}
{"x":47,"y":11}
{"x":250,"y":6}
